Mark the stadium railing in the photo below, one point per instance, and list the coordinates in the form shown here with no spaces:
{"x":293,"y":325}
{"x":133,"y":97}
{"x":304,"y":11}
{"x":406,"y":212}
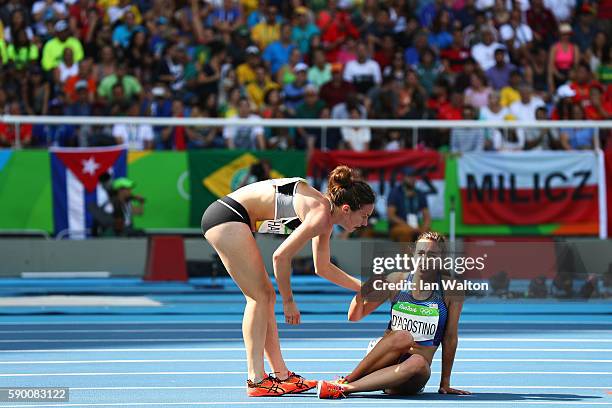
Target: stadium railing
{"x":414,"y":125}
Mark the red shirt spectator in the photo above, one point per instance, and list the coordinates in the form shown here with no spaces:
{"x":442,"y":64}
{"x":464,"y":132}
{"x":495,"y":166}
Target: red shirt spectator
{"x":541,"y":21}
{"x":336,"y":90}
{"x":8,"y":136}
{"x":335,"y":26}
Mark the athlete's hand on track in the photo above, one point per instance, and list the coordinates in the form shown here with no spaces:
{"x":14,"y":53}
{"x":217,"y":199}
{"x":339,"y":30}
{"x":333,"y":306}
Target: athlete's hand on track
{"x":292,"y":314}
{"x":449,"y":390}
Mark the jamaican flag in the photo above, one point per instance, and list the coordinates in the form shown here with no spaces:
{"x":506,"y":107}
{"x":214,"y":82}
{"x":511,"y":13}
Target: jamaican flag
{"x":216,"y":173}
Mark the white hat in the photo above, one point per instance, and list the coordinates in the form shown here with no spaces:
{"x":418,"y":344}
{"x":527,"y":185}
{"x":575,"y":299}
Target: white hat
{"x":158,"y":91}
{"x":61,"y":25}
{"x":300,"y":66}
{"x":565,"y":91}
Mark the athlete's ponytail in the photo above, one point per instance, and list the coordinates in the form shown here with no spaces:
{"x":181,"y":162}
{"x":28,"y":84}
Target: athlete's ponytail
{"x":344,"y":189}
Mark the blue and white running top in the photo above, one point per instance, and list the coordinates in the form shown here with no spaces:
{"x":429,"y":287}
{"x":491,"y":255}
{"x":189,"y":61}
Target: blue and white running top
{"x":424,"y":319}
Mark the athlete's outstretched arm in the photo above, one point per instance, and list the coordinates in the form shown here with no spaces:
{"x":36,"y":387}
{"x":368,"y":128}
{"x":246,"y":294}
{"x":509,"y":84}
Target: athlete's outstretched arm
{"x":449,"y":347}
{"x":370,"y":297}
{"x":311,"y":227}
{"x":325,"y":268}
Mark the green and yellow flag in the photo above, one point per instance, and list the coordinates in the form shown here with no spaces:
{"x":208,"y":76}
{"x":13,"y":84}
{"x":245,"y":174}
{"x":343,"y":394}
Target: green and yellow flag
{"x":216,"y":173}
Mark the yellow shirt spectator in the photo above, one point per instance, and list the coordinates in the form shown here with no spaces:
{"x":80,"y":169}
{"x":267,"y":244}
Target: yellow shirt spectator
{"x":256,"y":91}
{"x":508,"y":96}
{"x":245,"y":74}
{"x":264,"y":34}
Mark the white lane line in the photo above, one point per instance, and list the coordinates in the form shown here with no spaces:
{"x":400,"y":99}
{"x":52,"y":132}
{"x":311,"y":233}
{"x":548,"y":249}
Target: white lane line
{"x":307,"y":339}
{"x":330,"y":349}
{"x":428,"y":387}
{"x":237,"y":321}
{"x":98,"y":374}
{"x":294,"y":401}
{"x":239,"y":330}
{"x":300,"y":360}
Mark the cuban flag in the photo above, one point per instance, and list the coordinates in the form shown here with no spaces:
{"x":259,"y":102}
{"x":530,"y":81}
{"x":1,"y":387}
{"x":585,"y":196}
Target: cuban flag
{"x":75,"y":176}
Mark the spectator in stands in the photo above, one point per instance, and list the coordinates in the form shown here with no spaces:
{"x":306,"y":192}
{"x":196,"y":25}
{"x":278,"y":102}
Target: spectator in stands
{"x":8,"y":132}
{"x":320,"y":73}
{"x":582,"y":83}
{"x":542,"y":138}
{"x":257,"y":89}
{"x":66,"y":68}
{"x":277,"y":53}
{"x":407,"y":209}
{"x":413,"y":54}
{"x":45,"y":12}
{"x":428,"y":69}
{"x":477,"y":94}
{"x":537,"y":288}
{"x":440,"y":37}
{"x":171,"y":70}
{"x":537,"y":72}
{"x":516,"y":35}
{"x":135,"y":137}
{"x":245,"y":136}
{"x":562,"y":285}
{"x":311,"y":108}
{"x":174,"y":137}
{"x":199,"y":137}
{"x":590,"y":288}
{"x":130,"y":85}
{"x":464,"y":140}
{"x":510,"y":93}
{"x":304,"y":30}
{"x":84,"y":76}
{"x":575,"y":138}
{"x":336,"y":91}
{"x":563,"y":57}
{"x":294,"y":92}
{"x":500,"y":284}
{"x":356,"y":138}
{"x":499,"y":74}
{"x":125,"y":206}
{"x":63,"y":135}
{"x":336,"y":27}
{"x":122,"y":34}
{"x":525,"y":108}
{"x":35,"y":92}
{"x":454,"y":57}
{"x":411,"y":98}
{"x":364,"y":72}
{"x":342,"y":110}
{"x":21,"y":52}
{"x":267,"y":31}
{"x":597,"y":108}
{"x":246,"y":71}
{"x":484,"y":52}
{"x":543,"y":24}
{"x":54,"y":48}
{"x":585,"y":29}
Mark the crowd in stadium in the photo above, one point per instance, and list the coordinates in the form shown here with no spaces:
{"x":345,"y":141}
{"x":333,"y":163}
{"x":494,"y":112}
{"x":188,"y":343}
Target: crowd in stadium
{"x":510,"y":60}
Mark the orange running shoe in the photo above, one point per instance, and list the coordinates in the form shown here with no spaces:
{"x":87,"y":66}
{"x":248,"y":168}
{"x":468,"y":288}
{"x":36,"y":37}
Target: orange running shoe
{"x":301,"y":384}
{"x":330,"y":390}
{"x":268,"y":387}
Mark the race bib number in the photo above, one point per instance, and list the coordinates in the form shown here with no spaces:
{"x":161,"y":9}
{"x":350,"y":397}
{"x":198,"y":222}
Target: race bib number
{"x":273,"y":227}
{"x":420,"y":321}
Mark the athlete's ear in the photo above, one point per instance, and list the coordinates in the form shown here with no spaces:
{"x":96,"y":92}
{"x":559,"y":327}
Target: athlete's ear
{"x":346,"y":208}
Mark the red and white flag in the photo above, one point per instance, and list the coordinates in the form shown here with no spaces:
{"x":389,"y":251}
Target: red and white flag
{"x":530,"y":188}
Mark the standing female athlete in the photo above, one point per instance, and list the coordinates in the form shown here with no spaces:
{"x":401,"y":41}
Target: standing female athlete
{"x":282,"y":206}
{"x":421,"y":319}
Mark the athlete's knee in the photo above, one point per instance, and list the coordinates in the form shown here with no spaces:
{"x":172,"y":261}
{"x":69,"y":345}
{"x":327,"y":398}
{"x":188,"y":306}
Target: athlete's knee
{"x":264,"y":295}
{"x":401,"y":340}
{"x":416,"y":364}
